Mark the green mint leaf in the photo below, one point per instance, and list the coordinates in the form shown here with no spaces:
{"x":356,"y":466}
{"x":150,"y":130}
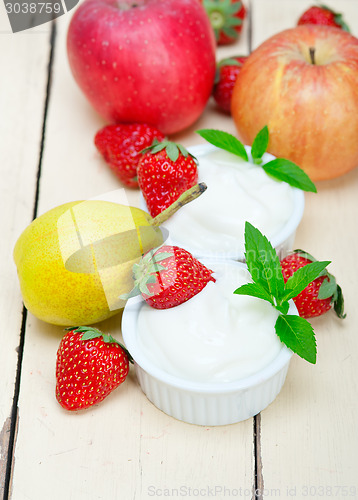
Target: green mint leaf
{"x":302,"y":278}
{"x":254,"y":290}
{"x":287,"y":171}
{"x":297,"y":333}
{"x":283,"y":306}
{"x":263,"y":262}
{"x":260,"y":144}
{"x":224,"y":140}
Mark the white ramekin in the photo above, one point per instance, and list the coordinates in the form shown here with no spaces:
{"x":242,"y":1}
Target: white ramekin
{"x":208,"y":404}
{"x":282,"y":241}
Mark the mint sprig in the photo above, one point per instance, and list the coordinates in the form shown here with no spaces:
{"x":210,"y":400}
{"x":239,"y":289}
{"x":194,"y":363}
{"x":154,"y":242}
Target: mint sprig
{"x":226,"y":141}
{"x":268,"y":284}
{"x":279,"y":168}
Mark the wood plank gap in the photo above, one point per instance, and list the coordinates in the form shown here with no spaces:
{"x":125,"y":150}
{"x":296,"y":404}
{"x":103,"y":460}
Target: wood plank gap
{"x":44,"y":121}
{"x":20,"y":349}
{"x":14,"y":411}
{"x":258,"y":479}
{"x":249,"y":21}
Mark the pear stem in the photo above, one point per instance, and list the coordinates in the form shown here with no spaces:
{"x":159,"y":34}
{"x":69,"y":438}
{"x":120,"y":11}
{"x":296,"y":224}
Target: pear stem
{"x":312,"y":53}
{"x":189,"y":195}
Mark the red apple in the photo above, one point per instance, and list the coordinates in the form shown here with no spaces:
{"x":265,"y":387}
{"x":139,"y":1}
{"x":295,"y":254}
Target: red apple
{"x":303,"y":84}
{"x":147,"y":61}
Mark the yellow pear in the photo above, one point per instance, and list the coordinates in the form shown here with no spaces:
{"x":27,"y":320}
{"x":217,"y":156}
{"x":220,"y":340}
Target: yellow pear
{"x":74,"y":261}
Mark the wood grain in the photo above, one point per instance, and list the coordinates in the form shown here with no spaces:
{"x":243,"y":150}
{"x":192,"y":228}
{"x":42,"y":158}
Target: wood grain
{"x":309,"y":439}
{"x":23,"y":59}
{"x":125,"y":447}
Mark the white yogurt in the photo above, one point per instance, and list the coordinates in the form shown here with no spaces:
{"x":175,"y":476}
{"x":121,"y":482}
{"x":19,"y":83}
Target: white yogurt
{"x":216,"y":336}
{"x":238,"y":191}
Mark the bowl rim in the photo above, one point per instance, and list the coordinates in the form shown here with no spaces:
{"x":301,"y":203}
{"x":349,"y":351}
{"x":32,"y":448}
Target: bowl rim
{"x":129,"y":333}
{"x":277,"y":239}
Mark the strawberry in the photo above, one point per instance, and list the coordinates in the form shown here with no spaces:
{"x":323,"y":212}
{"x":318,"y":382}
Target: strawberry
{"x":226,"y":73}
{"x":164,"y":172}
{"x":320,"y":295}
{"x":121,"y":146}
{"x":321,"y":14}
{"x":226,"y":18}
{"x":168,"y":277}
{"x":89,"y":366}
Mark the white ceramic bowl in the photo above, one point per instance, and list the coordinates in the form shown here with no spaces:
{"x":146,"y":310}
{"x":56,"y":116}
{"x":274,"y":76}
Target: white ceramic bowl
{"x":282,"y":240}
{"x":208,"y":404}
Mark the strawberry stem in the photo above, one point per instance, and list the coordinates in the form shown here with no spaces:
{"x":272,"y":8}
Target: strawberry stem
{"x":189,"y":195}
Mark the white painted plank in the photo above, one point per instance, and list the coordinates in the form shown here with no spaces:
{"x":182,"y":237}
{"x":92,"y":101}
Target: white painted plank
{"x":309,"y":437}
{"x":23,"y":62}
{"x":269,"y":18}
{"x":125,"y":446}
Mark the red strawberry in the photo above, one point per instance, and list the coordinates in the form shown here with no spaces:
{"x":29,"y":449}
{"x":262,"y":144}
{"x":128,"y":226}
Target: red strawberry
{"x":226,"y":18}
{"x":319,"y":296}
{"x":164,"y":172}
{"x":321,"y":14}
{"x":168,"y":277}
{"x":226,"y":74}
{"x":89,"y":366}
{"x":121,"y":146}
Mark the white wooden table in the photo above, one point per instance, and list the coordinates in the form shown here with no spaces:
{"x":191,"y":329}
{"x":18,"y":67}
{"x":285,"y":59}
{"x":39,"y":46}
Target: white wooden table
{"x":304,"y":445}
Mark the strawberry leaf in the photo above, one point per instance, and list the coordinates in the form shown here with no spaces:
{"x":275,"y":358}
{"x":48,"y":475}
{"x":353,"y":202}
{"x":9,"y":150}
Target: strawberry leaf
{"x":160,"y":256}
{"x":229,"y":61}
{"x":172,"y":151}
{"x":143,"y":288}
{"x":224,"y":140}
{"x":297,"y":333}
{"x":287,"y":171}
{"x":338,"y":18}
{"x":155,"y":268}
{"x":259,"y":145}
{"x":133,"y":293}
{"x":88,"y":332}
{"x":338,"y":304}
{"x":302,"y":278}
{"x":328,"y":288}
{"x":305,"y":254}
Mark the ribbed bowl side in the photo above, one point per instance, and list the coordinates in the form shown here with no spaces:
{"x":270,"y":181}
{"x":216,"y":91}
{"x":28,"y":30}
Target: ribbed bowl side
{"x":211,"y":408}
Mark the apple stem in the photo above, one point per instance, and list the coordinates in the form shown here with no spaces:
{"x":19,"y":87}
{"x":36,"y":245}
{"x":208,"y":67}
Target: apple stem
{"x":189,"y":195}
{"x":312,"y":53}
